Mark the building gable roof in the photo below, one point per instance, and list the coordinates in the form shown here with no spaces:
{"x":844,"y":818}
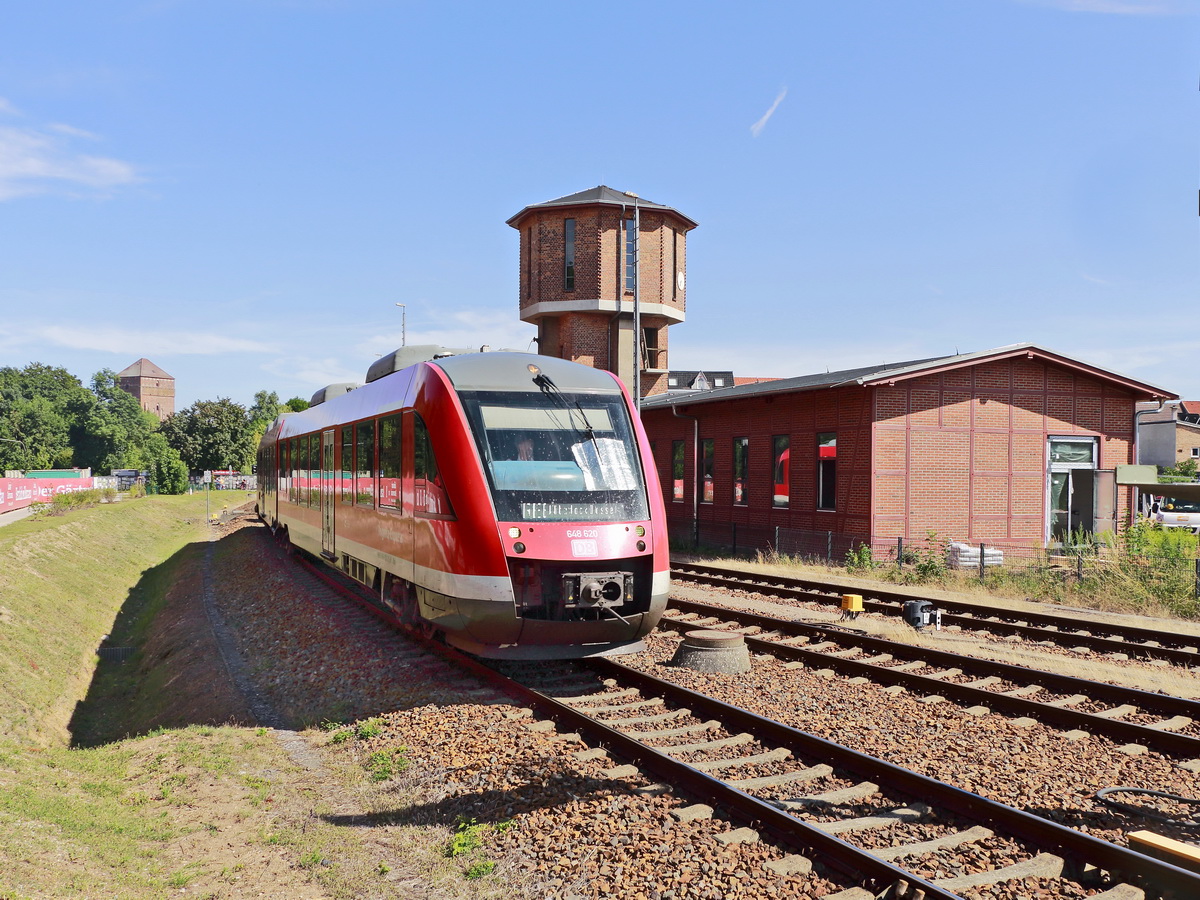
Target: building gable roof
{"x":889,"y":373}
{"x":601,"y":195}
{"x":143,"y":368}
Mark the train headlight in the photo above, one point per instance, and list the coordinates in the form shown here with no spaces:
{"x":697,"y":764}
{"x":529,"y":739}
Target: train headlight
{"x":640,"y":531}
{"x":641,"y":545}
{"x":519,"y":547}
{"x":514,"y":532}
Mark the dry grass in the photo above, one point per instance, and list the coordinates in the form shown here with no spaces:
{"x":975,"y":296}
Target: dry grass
{"x":964,"y":587}
{"x":201,"y":810}
{"x":63,"y":582}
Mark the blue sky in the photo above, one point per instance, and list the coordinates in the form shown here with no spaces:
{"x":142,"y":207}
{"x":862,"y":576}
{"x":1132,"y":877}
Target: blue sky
{"x":242,"y":191}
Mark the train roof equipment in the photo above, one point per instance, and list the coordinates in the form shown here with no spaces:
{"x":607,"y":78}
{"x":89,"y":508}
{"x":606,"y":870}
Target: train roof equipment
{"x":332,"y":390}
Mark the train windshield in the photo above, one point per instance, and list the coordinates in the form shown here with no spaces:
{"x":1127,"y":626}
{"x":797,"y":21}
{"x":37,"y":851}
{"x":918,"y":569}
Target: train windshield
{"x":558,"y":457}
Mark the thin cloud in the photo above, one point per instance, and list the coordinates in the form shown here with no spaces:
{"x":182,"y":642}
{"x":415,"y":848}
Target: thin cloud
{"x":310,"y":373}
{"x":1121,"y":7}
{"x":465,"y":329}
{"x":757,"y":127}
{"x":39,"y":161}
{"x":147,"y":343}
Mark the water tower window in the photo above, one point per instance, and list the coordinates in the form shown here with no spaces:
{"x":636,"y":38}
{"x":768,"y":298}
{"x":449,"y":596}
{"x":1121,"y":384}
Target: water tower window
{"x":674,"y":264}
{"x":569,"y":255}
{"x":630,"y":255}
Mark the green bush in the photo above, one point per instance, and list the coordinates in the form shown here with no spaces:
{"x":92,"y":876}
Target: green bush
{"x":62,"y":503}
{"x":368,"y":728}
{"x":925,"y":564}
{"x":860,"y":559}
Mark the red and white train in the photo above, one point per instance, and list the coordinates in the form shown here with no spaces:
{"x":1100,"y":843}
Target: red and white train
{"x":506,"y":500}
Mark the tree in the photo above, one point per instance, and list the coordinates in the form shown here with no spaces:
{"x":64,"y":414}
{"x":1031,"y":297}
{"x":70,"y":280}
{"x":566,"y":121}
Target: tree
{"x":110,"y":433}
{"x":297,"y":404}
{"x":210,"y":434}
{"x":37,"y":436}
{"x":167,"y":472}
{"x":38,"y":404}
{"x":264,"y":410}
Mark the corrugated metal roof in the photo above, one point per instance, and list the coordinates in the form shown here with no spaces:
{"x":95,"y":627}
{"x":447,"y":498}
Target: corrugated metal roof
{"x":601,"y":195}
{"x":781,"y":386}
{"x":885,"y":372}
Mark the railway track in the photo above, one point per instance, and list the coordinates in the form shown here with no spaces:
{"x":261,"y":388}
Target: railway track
{"x":827,"y":801}
{"x":1065,"y":631}
{"x":877,"y":828}
{"x":1169,"y":724}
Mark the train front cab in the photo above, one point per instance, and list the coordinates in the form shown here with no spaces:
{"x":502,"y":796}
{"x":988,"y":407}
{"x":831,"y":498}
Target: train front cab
{"x":581,"y":529}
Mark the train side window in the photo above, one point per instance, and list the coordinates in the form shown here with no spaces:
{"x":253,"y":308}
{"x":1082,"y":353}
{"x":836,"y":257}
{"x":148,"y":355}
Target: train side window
{"x":741,"y":470}
{"x":364,"y":453}
{"x":300,"y":463}
{"x":285,"y":469}
{"x":781,"y":454}
{"x":827,"y":470}
{"x":707,"y":454}
{"x":294,"y":486}
{"x":429,"y":489}
{"x":314,"y":469}
{"x":389,"y":462}
{"x":347,"y":490}
{"x":318,"y":473}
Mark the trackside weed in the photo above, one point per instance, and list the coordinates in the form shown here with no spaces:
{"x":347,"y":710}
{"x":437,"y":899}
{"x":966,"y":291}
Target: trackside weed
{"x":383,"y":764}
{"x":368,"y":728}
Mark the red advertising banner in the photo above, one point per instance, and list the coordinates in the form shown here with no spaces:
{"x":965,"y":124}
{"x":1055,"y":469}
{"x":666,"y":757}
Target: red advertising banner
{"x":17,"y":493}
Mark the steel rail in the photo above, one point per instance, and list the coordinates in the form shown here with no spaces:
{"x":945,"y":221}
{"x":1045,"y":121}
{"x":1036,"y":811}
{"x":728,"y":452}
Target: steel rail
{"x":1059,"y":629}
{"x":861,"y":866}
{"x":1179,"y":745}
{"x":1083,"y":849}
{"x":1167,"y":704}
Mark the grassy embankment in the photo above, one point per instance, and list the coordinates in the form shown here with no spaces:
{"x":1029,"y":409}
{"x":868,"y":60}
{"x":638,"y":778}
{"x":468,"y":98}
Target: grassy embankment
{"x":218,"y":811}
{"x":100,"y":821}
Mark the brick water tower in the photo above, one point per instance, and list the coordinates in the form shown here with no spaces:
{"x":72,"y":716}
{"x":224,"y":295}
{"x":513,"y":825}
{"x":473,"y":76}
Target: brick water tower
{"x":595,"y":263}
{"x":153,"y":388}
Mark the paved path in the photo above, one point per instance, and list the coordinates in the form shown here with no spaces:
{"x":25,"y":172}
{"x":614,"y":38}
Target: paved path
{"x":15,"y":516}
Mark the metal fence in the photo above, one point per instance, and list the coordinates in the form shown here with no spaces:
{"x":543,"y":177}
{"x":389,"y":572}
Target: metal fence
{"x":1171,"y":577}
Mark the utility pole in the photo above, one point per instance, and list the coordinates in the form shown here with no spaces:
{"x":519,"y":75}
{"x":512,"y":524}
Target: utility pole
{"x":403,"y":318}
{"x":637,"y":309}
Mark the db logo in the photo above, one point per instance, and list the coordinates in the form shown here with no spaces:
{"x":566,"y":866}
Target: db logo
{"x":584,"y":548}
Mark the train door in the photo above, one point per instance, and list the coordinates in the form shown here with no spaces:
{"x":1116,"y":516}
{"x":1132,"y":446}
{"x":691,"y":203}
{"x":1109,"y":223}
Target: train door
{"x":328,"y":495}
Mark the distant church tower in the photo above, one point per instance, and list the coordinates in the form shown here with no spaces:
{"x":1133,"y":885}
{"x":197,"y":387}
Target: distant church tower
{"x":152,"y":387}
{"x":577,"y":279}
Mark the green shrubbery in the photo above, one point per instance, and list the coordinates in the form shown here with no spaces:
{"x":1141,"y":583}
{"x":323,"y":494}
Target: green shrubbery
{"x":1144,"y":568}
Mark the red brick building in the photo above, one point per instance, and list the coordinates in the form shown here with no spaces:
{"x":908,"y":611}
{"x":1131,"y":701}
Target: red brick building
{"x":581,"y":258}
{"x":152,"y":387}
{"x":1015,"y":446}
